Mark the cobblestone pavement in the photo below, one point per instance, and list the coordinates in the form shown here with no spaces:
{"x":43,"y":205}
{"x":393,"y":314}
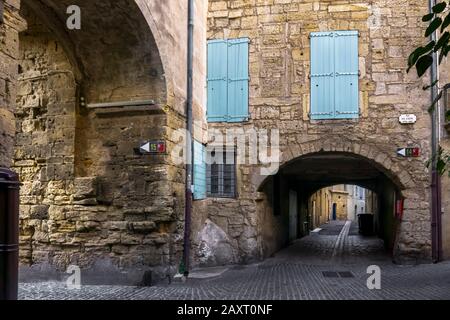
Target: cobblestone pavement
{"x":294,"y":273}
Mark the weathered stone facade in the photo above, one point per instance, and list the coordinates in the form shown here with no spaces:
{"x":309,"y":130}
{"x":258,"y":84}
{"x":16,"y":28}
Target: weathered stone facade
{"x":88,"y":197}
{"x":9,"y":47}
{"x":445,"y":144}
{"x":279,"y":98}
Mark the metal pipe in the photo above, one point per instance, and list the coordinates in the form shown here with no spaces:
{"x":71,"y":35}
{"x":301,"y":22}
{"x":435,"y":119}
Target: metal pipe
{"x":2,"y":12}
{"x":189,"y":140}
{"x":121,"y":104}
{"x":436,"y":210}
{"x":9,"y":234}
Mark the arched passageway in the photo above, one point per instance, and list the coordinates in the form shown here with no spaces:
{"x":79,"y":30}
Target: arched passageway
{"x":293,"y":195}
{"x":87,"y":198}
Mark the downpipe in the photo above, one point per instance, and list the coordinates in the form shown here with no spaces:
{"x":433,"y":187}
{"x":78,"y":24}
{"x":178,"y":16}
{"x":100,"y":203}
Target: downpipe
{"x":189,"y":141}
{"x":436,"y":209}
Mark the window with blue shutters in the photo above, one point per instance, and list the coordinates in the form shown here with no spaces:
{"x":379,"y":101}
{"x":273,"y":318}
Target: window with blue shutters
{"x":199,"y":171}
{"x":334,"y":75}
{"x":228,"y":80}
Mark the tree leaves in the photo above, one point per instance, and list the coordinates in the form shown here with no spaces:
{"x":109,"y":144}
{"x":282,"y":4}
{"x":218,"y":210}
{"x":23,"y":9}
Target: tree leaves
{"x":439,"y":7}
{"x":446,"y":23}
{"x":443,"y":40}
{"x":434,"y":25}
{"x":422,"y":57}
{"x":423,"y":64}
{"x":428,"y":17}
{"x":442,"y":161}
{"x":414,"y":57}
{"x":444,"y":52}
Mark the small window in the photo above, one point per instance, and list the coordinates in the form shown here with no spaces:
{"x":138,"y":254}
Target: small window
{"x":221,"y":174}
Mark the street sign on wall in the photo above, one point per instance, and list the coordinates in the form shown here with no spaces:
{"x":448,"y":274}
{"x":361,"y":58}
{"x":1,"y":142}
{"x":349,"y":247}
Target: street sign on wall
{"x":408,"y":119}
{"x":153,"y":147}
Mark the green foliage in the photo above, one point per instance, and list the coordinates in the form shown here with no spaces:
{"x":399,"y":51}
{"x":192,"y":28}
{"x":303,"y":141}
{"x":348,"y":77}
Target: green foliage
{"x":434,"y":25}
{"x":423,"y":58}
{"x":442,"y":162}
{"x":438,"y":8}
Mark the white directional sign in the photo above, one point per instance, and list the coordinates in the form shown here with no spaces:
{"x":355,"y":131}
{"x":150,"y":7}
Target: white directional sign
{"x":153,"y":147}
{"x":409,"y":152}
{"x":408,"y":119}
{"x":146,"y":147}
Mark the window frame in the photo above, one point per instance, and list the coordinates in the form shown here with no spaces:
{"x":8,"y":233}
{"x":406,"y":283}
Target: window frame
{"x":227,"y":117}
{"x":316,"y":115}
{"x":233,"y":194}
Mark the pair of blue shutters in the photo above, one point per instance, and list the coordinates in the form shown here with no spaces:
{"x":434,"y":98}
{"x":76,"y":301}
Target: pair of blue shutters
{"x":228,"y":80}
{"x":334,"y":75}
{"x":199,"y":178}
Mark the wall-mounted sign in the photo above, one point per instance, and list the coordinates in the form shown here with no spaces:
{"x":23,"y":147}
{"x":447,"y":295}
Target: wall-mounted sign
{"x":153,"y":147}
{"x":408,"y":119}
{"x":409,"y":152}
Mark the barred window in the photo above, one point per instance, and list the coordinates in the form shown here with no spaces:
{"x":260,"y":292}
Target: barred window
{"x":221,"y":174}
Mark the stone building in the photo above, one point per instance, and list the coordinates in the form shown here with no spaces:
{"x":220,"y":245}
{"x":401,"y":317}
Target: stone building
{"x":76,"y":105}
{"x":445,"y":143}
{"x":301,"y":53}
{"x":347,"y":201}
{"x":84,"y":102}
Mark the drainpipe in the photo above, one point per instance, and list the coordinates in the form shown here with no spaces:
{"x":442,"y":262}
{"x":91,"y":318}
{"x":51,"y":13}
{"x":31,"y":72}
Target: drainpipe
{"x":189,"y":139}
{"x":436,"y":210}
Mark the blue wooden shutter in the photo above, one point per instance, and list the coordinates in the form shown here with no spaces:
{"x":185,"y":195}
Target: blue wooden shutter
{"x":199,"y":171}
{"x":347,"y":75}
{"x":217,"y":80}
{"x":238,"y":53}
{"x":322,"y":75}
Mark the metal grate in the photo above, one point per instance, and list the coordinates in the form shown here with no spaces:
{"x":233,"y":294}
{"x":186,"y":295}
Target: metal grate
{"x":340,"y":274}
{"x":346,"y":274}
{"x":330,"y":274}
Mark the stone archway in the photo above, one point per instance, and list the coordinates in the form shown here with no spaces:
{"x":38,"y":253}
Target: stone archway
{"x":88,"y":199}
{"x":413,"y":234}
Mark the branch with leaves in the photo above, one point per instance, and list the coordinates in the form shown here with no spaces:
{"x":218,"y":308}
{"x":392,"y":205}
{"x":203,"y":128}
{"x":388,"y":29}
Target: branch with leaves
{"x":422,"y":59}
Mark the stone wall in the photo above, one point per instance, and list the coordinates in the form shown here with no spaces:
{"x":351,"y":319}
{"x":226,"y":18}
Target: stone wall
{"x":322,"y":200}
{"x":168,"y":21}
{"x":9,"y":46}
{"x":446,"y":207}
{"x":89,"y":198}
{"x":341,"y":205}
{"x":279,"y":95}
{"x":445,"y":143}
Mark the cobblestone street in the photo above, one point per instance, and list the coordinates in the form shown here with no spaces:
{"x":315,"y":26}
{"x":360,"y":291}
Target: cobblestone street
{"x":315,"y":267}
